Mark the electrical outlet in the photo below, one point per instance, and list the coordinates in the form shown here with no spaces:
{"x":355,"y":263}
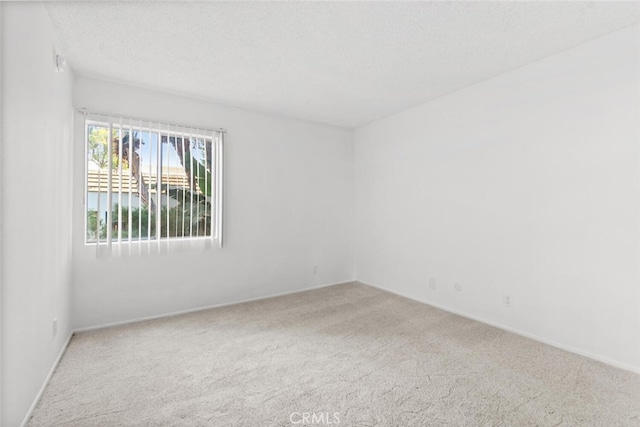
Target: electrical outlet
{"x":55,"y":326}
{"x":506,"y":300}
{"x":457,"y":287}
{"x":432,"y":283}
{"x":315,"y":270}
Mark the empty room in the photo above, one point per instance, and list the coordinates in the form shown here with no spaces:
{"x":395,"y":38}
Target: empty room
{"x":319,"y":213}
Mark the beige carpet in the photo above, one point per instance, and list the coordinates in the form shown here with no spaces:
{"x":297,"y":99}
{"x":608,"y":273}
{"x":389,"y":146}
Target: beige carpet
{"x":344,"y":355}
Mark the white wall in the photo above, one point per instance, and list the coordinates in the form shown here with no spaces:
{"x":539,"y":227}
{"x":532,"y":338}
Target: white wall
{"x":288,"y":207}
{"x":36,"y":172}
{"x":526,"y":185}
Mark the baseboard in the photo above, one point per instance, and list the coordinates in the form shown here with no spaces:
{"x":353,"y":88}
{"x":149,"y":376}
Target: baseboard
{"x":194,"y":310}
{"x":605,"y":360}
{"x":46,"y":381}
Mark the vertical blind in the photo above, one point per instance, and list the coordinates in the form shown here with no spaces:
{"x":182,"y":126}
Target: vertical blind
{"x":151,"y":182}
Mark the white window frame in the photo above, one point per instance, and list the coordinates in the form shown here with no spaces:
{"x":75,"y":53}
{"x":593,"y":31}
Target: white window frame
{"x":213,"y":167}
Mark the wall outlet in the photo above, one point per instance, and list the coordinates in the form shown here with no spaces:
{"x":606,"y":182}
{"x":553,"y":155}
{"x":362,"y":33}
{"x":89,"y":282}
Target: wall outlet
{"x":315,"y":270}
{"x":506,"y":300}
{"x":432,"y":283}
{"x":55,"y":326}
{"x":457,"y":287}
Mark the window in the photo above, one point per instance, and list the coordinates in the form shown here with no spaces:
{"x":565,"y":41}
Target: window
{"x":151,"y":182}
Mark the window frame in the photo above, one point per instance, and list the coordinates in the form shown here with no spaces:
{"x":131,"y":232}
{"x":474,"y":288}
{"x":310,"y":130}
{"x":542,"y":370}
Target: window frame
{"x":163,"y":133}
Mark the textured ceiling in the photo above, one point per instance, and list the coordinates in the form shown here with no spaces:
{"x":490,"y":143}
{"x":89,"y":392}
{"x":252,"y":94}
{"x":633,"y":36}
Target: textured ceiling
{"x":345,"y":64}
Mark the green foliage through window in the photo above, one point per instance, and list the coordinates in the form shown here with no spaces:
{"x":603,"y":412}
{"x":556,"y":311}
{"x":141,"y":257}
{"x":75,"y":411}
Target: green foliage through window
{"x":161,"y":183}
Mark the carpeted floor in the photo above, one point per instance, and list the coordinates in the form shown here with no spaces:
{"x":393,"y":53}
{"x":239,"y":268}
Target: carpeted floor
{"x":344,"y":355}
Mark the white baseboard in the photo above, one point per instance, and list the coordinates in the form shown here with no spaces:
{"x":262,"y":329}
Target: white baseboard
{"x":193,"y":310}
{"x":605,"y":360}
{"x":46,"y":381}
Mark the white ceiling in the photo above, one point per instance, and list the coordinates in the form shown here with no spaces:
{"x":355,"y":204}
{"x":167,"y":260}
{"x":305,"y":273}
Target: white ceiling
{"x":345,"y":64}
